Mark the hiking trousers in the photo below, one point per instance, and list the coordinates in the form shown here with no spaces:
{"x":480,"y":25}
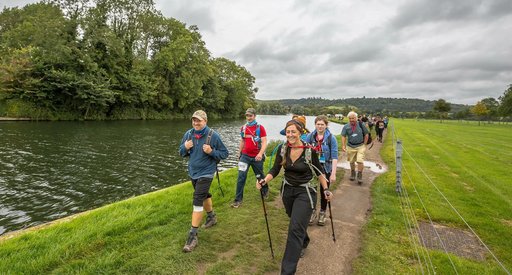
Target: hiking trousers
{"x":244,"y":164}
{"x":298,"y":207}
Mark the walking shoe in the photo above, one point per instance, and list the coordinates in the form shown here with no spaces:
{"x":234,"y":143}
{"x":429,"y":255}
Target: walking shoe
{"x":210,"y":221}
{"x":191,"y":243}
{"x":236,"y":204}
{"x":360,"y":177}
{"x":352,"y":174}
{"x":321,"y":219}
{"x":313,"y":218}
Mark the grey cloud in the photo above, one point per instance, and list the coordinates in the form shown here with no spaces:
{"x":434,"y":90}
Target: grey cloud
{"x":367,"y":48}
{"x":423,"y":11}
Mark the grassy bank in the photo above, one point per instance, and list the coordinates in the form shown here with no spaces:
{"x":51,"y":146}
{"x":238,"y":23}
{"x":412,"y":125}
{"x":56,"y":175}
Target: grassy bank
{"x":470,"y":165}
{"x":145,"y":235}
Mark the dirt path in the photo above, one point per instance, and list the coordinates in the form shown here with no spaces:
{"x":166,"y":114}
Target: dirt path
{"x":350,"y":207}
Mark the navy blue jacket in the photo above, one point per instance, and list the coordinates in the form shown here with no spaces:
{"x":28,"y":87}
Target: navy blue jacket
{"x":200,"y":164}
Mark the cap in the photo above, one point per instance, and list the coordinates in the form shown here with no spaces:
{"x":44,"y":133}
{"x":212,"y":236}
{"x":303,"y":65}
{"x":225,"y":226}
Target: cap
{"x":200,"y":114}
{"x":250,"y":111}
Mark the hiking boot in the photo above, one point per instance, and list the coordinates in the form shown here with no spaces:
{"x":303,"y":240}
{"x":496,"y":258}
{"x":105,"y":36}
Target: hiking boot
{"x":352,"y":174}
{"x":313,"y":218}
{"x":321,"y":219}
{"x":191,"y":243}
{"x":360,"y":178}
{"x":236,"y":204}
{"x":210,"y":221}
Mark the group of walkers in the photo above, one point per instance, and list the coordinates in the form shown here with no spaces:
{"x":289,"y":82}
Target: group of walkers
{"x":303,"y":157}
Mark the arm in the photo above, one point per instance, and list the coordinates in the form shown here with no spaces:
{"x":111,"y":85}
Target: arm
{"x":365,"y":133}
{"x":274,"y":171}
{"x":263,"y":148}
{"x":185,"y":145}
{"x":334,"y":156}
{"x":241,"y":147}
{"x":219,"y":150}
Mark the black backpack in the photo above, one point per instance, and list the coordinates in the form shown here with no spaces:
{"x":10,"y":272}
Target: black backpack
{"x":369,"y":132}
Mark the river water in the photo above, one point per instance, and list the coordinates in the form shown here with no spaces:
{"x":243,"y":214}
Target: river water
{"x":49,"y":170}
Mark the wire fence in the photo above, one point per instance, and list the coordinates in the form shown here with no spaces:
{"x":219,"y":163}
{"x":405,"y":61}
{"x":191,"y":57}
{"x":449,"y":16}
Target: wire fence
{"x":414,"y":233}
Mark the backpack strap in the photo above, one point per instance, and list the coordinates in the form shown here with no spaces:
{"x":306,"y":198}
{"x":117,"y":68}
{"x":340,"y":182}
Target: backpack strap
{"x":209,"y":137}
{"x":189,"y":134}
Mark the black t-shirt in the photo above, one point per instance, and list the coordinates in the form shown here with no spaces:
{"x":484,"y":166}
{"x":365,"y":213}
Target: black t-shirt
{"x":299,"y":172}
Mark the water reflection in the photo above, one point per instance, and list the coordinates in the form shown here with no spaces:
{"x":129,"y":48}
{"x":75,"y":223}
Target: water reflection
{"x":50,"y":170}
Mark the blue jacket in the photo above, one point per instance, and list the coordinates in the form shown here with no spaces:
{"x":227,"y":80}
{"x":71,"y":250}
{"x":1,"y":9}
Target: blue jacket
{"x":200,"y":164}
{"x":328,"y":153}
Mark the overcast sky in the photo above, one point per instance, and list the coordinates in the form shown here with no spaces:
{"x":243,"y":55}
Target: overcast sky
{"x":458,"y":50}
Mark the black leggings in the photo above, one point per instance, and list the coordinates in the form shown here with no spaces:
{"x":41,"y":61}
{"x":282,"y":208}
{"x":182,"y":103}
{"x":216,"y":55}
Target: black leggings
{"x":298,"y":207}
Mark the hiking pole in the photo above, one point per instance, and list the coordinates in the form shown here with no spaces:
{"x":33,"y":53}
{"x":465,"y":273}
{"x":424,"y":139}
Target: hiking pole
{"x":332,"y":224}
{"x":266,"y":221}
{"x":218,"y":180}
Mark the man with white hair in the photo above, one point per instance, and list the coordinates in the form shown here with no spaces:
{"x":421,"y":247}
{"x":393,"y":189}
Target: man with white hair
{"x":355,"y":135}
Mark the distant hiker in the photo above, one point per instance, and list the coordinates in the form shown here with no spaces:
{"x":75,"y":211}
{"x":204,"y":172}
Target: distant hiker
{"x":300,"y":165}
{"x":302,"y":121}
{"x":386,"y":120}
{"x":326,"y":146}
{"x":379,"y":129}
{"x":252,"y":154}
{"x":355,"y":135}
{"x":204,"y":148}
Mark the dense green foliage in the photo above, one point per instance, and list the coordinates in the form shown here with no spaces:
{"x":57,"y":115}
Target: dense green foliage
{"x":110,"y":59}
{"x":442,"y":108}
{"x":470,"y":166}
{"x":316,"y":105}
{"x":505,"y":107}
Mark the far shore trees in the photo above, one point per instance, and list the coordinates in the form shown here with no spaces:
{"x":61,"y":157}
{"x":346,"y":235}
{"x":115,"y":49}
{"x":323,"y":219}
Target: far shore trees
{"x":480,"y":110}
{"x":111,"y":59}
{"x":442,"y":107}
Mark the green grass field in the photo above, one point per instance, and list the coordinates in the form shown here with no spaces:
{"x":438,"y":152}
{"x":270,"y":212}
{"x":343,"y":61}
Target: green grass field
{"x":471,"y":166}
{"x":146,"y":234}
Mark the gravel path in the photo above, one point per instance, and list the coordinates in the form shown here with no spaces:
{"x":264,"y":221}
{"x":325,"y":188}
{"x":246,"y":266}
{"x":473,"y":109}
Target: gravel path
{"x":351,"y":207}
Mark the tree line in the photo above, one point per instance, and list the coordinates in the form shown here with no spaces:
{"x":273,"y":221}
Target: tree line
{"x":112,"y":59}
{"x":491,"y":109}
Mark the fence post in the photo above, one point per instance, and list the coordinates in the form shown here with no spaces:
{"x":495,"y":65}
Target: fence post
{"x":398,"y":161}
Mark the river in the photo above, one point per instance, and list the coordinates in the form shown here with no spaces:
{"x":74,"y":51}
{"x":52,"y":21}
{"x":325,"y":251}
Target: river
{"x":49,"y":170}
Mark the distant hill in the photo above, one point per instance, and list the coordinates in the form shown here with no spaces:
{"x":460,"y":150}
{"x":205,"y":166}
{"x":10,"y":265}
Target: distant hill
{"x":369,"y":105}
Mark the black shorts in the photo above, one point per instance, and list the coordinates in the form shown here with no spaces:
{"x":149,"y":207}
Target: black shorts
{"x":201,"y":190}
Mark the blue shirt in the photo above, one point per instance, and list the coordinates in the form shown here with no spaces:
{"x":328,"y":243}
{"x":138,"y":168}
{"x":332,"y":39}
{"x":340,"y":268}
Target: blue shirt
{"x":354,"y":138}
{"x":200,"y":164}
{"x":329,"y":148}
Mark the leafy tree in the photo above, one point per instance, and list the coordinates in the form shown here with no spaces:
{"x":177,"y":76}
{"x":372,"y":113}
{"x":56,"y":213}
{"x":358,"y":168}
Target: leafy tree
{"x":480,"y":110}
{"x":505,"y":108}
{"x":462,"y":114}
{"x":492,"y":106}
{"x":442,"y":107}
